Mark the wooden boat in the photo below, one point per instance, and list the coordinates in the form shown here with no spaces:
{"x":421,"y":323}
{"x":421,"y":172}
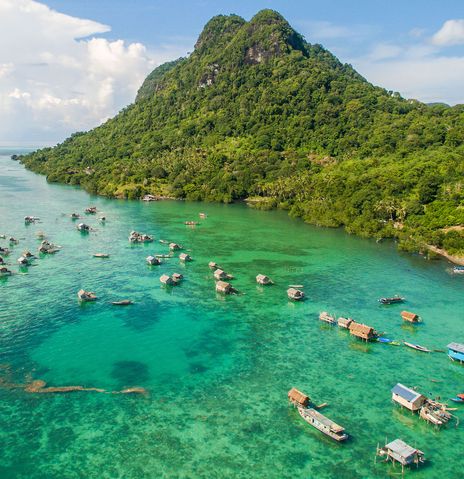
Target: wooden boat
{"x":149,"y":197}
{"x":417,"y":347}
{"x":458,"y":270}
{"x":75,"y":216}
{"x":323,"y":423}
{"x":326,"y":317}
{"x":392,"y":300}
{"x":122,"y":302}
{"x":91,"y":210}
{"x":191,"y":223}
{"x":86,"y":295}
{"x":30,"y":219}
{"x":295,"y":294}
{"x":434,"y":413}
{"x":101,"y":255}
{"x":202,"y":215}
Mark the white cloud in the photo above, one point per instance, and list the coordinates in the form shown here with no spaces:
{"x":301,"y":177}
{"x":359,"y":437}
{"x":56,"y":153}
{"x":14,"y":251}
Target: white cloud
{"x":56,"y":77}
{"x":430,"y":79}
{"x":451,"y":33}
{"x":324,"y":30}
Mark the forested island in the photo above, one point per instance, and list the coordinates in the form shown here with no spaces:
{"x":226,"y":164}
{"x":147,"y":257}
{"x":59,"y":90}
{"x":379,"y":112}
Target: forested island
{"x":256,"y":112}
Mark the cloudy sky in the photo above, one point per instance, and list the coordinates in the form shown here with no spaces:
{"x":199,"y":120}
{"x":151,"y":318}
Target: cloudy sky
{"x":68,"y":65}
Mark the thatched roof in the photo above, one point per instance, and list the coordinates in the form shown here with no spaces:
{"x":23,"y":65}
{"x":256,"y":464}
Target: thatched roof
{"x":361,"y":330}
{"x":298,"y":397}
{"x":407,"y":316}
{"x":223,"y":287}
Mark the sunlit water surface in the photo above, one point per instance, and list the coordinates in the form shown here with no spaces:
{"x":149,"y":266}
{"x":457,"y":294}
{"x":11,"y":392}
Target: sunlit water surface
{"x":217,"y":369}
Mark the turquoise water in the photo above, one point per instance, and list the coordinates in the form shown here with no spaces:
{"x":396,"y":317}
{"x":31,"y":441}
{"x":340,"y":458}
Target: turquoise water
{"x":217,"y":369}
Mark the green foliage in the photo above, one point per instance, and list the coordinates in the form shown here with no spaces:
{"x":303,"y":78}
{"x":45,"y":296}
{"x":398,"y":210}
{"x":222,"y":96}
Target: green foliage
{"x":256,"y":111}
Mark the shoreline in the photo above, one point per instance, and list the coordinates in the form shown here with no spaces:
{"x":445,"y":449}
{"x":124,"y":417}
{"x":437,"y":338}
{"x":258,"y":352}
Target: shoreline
{"x":459,"y":260}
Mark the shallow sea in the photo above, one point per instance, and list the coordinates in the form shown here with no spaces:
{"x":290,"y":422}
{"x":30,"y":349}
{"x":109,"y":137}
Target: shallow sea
{"x":217,"y":369}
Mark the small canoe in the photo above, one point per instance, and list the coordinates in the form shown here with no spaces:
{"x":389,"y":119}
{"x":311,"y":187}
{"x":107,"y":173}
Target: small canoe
{"x":417,"y":347}
{"x":101,"y":255}
{"x":295,"y":286}
{"x":457,"y":399}
{"x":123,"y":302}
{"x":392,"y":342}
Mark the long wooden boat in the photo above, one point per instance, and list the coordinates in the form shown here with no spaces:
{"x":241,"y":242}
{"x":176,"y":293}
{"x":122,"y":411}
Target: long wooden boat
{"x":392,"y":300}
{"x":417,"y":347}
{"x":327,"y":318}
{"x":323,"y":424}
{"x":123,"y":302}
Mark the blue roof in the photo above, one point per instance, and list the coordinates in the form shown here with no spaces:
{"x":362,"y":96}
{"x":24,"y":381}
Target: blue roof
{"x":406,"y":393}
{"x":456,"y":347}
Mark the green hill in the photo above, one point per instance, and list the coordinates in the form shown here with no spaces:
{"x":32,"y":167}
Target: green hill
{"x":257,"y":112}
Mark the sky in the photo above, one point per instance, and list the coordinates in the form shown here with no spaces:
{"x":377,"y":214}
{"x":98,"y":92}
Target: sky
{"x":69,"y":65}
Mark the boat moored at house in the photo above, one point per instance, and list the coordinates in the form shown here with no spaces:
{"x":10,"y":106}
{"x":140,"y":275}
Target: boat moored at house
{"x":456,"y":352}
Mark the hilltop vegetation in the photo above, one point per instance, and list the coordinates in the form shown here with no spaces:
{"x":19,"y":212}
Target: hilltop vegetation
{"x":256,"y":111}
